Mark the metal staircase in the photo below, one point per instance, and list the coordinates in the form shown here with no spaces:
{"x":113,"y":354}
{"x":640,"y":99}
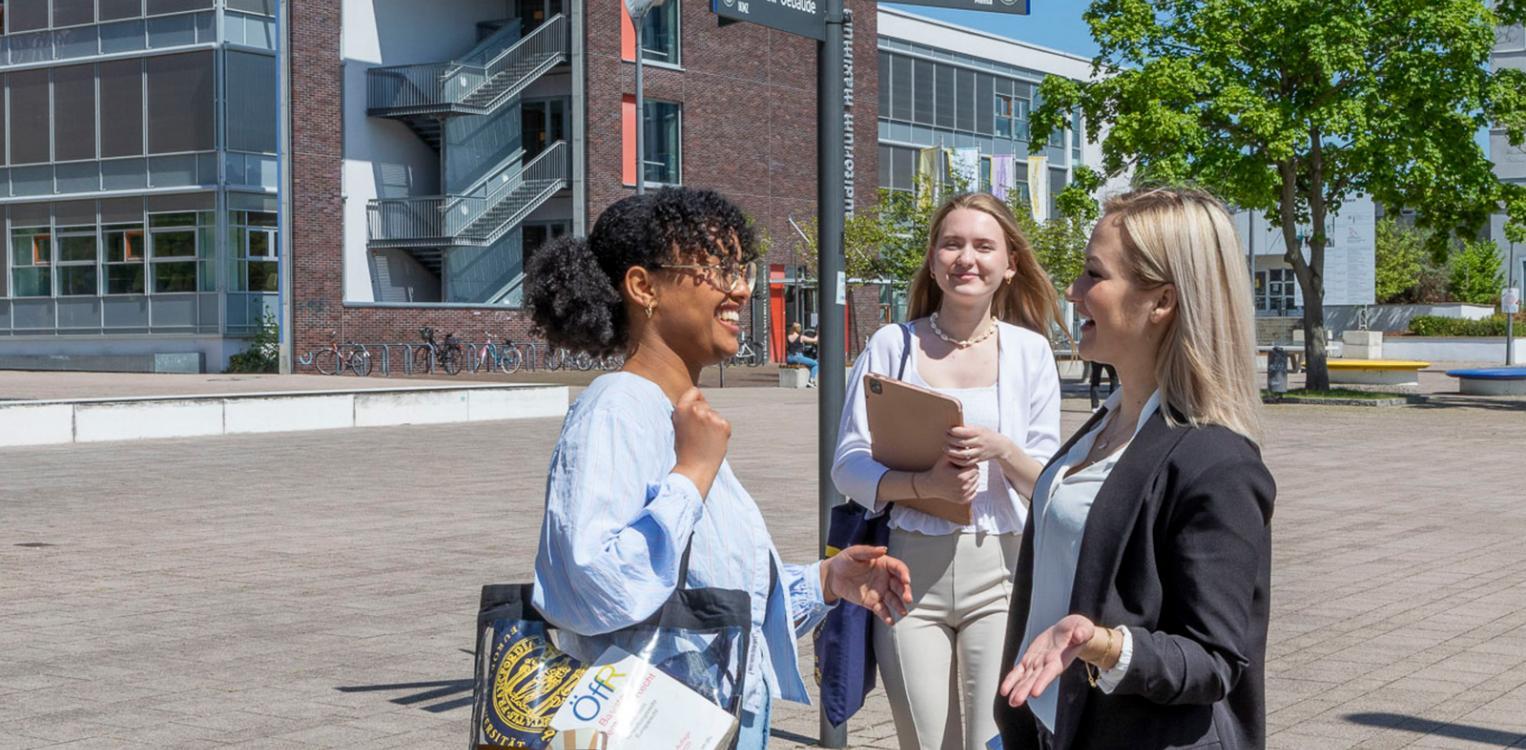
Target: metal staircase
{"x":481,"y":216}
{"x":491,"y":75}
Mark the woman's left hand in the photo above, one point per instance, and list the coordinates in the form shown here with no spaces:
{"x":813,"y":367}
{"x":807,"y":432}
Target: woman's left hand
{"x":1048,"y":656}
{"x":870,"y":578}
{"x":968,"y":445}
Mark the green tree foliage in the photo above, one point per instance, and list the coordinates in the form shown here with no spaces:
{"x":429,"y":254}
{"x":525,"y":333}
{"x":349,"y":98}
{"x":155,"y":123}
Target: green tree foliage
{"x":263,"y":352}
{"x":1291,"y":106}
{"x":1474,"y":273}
{"x":1401,"y":256}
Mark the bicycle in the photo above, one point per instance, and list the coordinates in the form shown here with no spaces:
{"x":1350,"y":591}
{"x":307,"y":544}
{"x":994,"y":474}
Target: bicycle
{"x":449,"y":355}
{"x":505,"y":359}
{"x":749,"y":353}
{"x":334,"y":360}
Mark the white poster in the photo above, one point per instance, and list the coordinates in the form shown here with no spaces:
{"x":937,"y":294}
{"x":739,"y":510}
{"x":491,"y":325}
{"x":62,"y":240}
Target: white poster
{"x":966,"y":167}
{"x":1350,"y":254}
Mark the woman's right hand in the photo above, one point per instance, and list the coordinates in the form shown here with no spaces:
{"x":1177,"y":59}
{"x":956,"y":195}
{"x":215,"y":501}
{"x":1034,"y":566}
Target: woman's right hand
{"x":700,"y":438}
{"x":951,"y":488}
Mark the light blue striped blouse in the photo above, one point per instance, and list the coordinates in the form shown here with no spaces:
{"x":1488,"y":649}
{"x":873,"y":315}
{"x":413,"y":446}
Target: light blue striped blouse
{"x":617,"y":520}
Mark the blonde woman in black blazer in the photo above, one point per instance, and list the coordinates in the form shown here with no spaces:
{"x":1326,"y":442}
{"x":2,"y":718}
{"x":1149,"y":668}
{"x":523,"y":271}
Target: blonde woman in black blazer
{"x":1140,"y":602}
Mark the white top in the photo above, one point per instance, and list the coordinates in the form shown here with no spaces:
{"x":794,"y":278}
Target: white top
{"x":991,"y":510}
{"x":1027,"y":412}
{"x":1061,"y":505}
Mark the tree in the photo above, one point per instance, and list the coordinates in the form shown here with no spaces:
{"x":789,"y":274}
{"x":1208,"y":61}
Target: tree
{"x":1474,"y":272}
{"x":1291,"y":106}
{"x":1400,"y":259}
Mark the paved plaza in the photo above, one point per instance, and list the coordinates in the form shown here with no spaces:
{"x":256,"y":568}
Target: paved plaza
{"x":319,"y":589}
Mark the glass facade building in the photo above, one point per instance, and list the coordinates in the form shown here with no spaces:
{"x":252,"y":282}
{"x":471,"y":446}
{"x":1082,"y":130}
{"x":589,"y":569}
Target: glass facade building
{"x":138,"y":173}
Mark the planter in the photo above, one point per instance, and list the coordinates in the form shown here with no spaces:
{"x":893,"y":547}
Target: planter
{"x":793,"y":377}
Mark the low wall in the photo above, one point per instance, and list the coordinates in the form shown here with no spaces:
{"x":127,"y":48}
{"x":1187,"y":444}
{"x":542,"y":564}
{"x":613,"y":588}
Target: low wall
{"x":1396,"y":318}
{"x":1452,"y":349}
{"x":98,"y":420}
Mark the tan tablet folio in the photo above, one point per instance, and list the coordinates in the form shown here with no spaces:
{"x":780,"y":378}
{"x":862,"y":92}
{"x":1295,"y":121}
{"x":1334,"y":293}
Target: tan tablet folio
{"x":908,"y":425}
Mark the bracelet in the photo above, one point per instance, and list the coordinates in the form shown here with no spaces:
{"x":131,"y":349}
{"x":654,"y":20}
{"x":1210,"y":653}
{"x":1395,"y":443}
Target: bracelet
{"x":1093,"y":672}
{"x":914,"y":491}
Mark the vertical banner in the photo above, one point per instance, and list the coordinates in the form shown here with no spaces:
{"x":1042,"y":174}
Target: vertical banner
{"x":1003,"y":176}
{"x":966,"y":168}
{"x":847,"y":115}
{"x":1038,"y":186}
{"x":928,"y":160}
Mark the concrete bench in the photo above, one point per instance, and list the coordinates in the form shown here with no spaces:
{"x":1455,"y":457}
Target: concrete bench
{"x":1491,"y":381}
{"x":1376,"y":371}
{"x":794,"y":376}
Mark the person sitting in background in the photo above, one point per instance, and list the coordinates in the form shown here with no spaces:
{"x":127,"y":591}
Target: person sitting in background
{"x":794,"y":348}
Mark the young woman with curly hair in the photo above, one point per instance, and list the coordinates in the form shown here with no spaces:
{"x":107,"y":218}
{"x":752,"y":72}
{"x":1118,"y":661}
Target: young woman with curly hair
{"x":640,"y":470}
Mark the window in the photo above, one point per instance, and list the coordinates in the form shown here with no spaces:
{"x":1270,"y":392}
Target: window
{"x":26,"y":15}
{"x":985,"y":174}
{"x":115,"y":9}
{"x":122,"y":108}
{"x":156,"y":7}
{"x":254,"y":248}
{"x":663,"y":139}
{"x":73,"y":12}
{"x":898,"y":168}
{"x":945,"y":91}
{"x":125,"y":256}
{"x":77,"y":262}
{"x":251,"y":102}
{"x":900,"y":89}
{"x":1274,"y":291}
{"x":659,"y":34}
{"x":172,"y":251}
{"x":922,"y":96}
{"x":536,"y":235}
{"x":29,"y":116}
{"x":541,"y":124}
{"x":31,"y":262}
{"x":74,"y":113}
{"x":1004,"y":115}
{"x":180,"y":97}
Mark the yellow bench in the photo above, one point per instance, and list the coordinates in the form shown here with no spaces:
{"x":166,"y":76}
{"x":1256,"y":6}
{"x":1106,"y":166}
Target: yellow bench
{"x":1376,"y":371}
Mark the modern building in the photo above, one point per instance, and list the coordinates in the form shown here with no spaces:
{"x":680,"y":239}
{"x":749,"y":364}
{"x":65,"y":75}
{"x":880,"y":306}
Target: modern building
{"x":1509,"y":162}
{"x":138,"y":181}
{"x":437,"y":145}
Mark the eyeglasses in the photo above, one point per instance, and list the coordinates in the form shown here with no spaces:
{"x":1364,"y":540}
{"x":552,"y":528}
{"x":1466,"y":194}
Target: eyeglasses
{"x":731,"y":277}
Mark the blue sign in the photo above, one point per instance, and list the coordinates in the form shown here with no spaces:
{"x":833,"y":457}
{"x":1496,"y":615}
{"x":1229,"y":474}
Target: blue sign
{"x":806,"y":18}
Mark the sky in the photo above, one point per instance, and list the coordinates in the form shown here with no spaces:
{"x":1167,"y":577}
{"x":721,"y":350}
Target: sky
{"x":1055,"y":24}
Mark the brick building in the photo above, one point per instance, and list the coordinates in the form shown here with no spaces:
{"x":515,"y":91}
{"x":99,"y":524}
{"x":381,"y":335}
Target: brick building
{"x":436,"y":145}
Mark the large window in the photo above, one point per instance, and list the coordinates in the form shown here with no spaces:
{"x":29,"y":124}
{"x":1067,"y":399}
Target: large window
{"x":78,"y":269}
{"x":122,"y":108}
{"x":254,"y":249}
{"x":31,"y":262}
{"x":29,"y":116}
{"x":1274,"y":291}
{"x":172,"y":251}
{"x":542,"y":124}
{"x":659,"y":34}
{"x":74,"y":113}
{"x":180,"y":99}
{"x":251,"y":102}
{"x":898,"y":168}
{"x":126,"y":256}
{"x":662,"y":142}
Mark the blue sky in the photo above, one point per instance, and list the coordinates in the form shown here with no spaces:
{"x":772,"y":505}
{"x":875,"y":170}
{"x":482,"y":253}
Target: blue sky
{"x":1055,"y":24}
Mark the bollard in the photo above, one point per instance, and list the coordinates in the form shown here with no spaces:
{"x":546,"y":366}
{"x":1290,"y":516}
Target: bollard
{"x":1277,"y":371}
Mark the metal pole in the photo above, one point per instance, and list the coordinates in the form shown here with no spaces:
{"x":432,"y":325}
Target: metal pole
{"x":1509,"y":316}
{"x":829,"y":332}
{"x":640,"y":21}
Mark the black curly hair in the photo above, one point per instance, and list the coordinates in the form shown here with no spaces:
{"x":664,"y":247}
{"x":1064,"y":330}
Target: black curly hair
{"x":572,"y":285}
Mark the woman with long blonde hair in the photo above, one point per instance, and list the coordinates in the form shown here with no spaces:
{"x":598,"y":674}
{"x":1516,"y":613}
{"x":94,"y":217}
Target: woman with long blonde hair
{"x":981,"y":310}
{"x":1139,"y":607}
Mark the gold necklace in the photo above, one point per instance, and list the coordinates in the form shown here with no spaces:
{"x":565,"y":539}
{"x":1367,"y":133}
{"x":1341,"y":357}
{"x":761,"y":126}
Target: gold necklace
{"x":960,"y":343}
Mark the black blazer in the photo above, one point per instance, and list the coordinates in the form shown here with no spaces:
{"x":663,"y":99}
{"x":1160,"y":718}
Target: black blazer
{"x":1178,"y":548}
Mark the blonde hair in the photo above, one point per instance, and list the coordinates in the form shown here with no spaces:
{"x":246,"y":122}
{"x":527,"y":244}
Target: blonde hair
{"x":794,"y":328}
{"x":1206,"y":368}
{"x":1029,"y":301}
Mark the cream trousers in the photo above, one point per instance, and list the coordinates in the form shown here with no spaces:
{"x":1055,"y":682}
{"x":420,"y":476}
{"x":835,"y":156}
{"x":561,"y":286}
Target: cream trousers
{"x":940,"y":664}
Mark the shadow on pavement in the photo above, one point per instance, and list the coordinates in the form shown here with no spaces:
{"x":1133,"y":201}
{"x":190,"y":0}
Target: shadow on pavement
{"x":1488,"y":403}
{"x":1419,"y":725}
{"x":426,"y":691}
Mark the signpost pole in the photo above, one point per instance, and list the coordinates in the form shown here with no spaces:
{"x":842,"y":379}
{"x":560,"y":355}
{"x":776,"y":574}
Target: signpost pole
{"x":830,"y":294}
{"x":1509,"y":310}
{"x":639,"y":20}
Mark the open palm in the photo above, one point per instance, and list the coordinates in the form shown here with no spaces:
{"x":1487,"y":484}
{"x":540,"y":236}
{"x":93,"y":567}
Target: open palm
{"x":872,"y":579}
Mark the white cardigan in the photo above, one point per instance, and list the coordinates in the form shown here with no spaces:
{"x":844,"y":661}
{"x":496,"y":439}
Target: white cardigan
{"x":1027,"y":393}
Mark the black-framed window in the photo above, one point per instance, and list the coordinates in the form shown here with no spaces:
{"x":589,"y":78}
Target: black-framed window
{"x":662,"y":141}
{"x":78,"y":261}
{"x":898,"y":168}
{"x":543,"y":123}
{"x":126,"y":256}
{"x":31,"y":262}
{"x":172,"y":251}
{"x":659,"y":34}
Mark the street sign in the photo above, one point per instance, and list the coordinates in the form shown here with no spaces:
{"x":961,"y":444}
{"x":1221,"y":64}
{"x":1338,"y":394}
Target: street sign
{"x":807,"y":18}
{"x":1510,"y":300}
{"x":1018,"y":7}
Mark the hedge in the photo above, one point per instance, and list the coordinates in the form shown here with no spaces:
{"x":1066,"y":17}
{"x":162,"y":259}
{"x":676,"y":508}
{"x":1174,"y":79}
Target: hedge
{"x":1435,"y":325}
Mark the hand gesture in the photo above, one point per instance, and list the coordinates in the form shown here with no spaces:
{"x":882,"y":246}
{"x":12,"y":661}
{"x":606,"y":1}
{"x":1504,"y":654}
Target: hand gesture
{"x":700,"y":438}
{"x":868,"y":577}
{"x":951,"y":487}
{"x":968,"y":446}
{"x":1048,"y":656}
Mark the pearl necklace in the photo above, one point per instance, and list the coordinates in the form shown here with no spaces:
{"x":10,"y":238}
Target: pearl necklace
{"x":960,"y":343}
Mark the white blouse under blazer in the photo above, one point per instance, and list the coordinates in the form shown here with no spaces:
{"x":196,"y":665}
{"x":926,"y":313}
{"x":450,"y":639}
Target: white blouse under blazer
{"x":1028,"y":398}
